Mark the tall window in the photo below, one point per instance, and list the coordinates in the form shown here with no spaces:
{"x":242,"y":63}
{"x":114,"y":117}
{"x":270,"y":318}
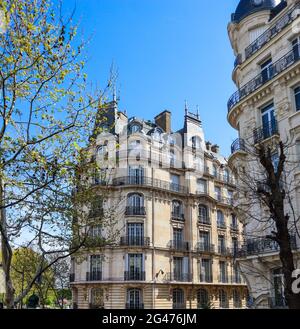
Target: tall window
{"x":223,"y":272}
{"x":237,"y":302}
{"x":226,"y":176}
{"x":203,"y":214}
{"x":202,"y":298}
{"x":177,"y":210}
{"x":221,"y":244}
{"x":134,"y":299}
{"x":269,"y":124}
{"x":178,"y":238}
{"x":95,"y":268}
{"x":178,"y":268}
{"x":223,"y":299}
{"x":96,"y":231}
{"x":297,"y":98}
{"x":215,"y":171}
{"x":175,"y":183}
{"x":205,"y":270}
{"x":178,"y":299}
{"x":296,"y":47}
{"x":204,"y":241}
{"x":135,"y":234}
{"x":278,"y":288}
{"x":267,"y":70}
{"x":218,"y":193}
{"x":201,"y":186}
{"x":235,"y":245}
{"x":135,"y":205}
{"x":220,"y":219}
{"x":136,"y":174}
{"x":135,"y":267}
{"x":234,"y":223}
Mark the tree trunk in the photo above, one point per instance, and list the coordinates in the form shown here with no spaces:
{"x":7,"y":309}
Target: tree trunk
{"x":6,"y":253}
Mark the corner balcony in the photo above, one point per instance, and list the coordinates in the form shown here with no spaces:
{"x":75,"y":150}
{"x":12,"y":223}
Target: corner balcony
{"x":134,"y":241}
{"x":179,"y":245}
{"x":238,"y":145}
{"x":135,"y":211}
{"x":261,"y":79}
{"x":266,"y":131}
{"x":178,"y":277}
{"x":205,"y":248}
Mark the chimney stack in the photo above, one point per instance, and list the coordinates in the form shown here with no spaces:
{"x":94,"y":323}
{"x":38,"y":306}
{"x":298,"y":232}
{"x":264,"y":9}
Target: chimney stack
{"x":215,"y":148}
{"x":163,"y":120}
{"x":208,"y":146}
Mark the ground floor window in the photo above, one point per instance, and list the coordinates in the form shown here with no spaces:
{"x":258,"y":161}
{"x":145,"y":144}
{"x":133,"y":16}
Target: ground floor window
{"x":237,"y":302}
{"x":178,"y":299}
{"x":97,"y":298}
{"x":134,"y":299}
{"x":223,"y":299}
{"x":203,"y":299}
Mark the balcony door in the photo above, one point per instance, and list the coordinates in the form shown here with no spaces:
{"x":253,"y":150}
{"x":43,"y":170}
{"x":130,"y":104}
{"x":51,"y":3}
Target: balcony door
{"x":135,"y":234}
{"x":136,"y":175}
{"x":296,"y":48}
{"x":266,"y":70}
{"x":178,"y":238}
{"x":268,"y":121}
{"x":135,"y":266}
{"x":95,"y":267}
{"x":204,"y":240}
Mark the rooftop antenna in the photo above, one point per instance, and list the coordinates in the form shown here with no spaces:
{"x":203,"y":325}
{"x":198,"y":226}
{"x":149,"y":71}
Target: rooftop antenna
{"x":197,"y":107}
{"x":186,"y":107}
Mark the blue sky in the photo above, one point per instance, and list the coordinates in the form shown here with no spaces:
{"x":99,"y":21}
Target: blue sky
{"x":166,"y":51}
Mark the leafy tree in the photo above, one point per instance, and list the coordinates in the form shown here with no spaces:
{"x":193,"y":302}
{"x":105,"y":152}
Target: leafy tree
{"x":46,"y":116}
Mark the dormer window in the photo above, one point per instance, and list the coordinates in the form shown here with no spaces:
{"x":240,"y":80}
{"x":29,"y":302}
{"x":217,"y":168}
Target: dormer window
{"x":135,"y":128}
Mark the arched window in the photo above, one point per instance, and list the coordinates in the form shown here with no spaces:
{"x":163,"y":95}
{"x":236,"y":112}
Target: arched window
{"x":202,"y":299}
{"x":134,"y":299}
{"x":223,"y":299}
{"x":177,"y":210}
{"x":135,"y":205}
{"x":220,"y":219}
{"x":97,"y":298}
{"x":102,"y":151}
{"x":237,"y":302}
{"x":203,"y":214}
{"x":178,"y":299}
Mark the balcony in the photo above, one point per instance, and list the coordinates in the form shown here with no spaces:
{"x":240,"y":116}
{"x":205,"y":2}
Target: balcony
{"x":134,"y":241}
{"x":278,"y":67}
{"x":177,"y":216}
{"x":204,"y":220}
{"x":94,"y":276}
{"x":134,"y":306}
{"x":135,"y":275}
{"x":135,"y":211}
{"x":179,"y":245}
{"x":149,"y":182}
{"x":205,"y":247}
{"x":277,"y":302}
{"x":224,"y":251}
{"x":206,"y":278}
{"x":223,"y":278}
{"x":72,"y":277}
{"x":263,"y":246}
{"x":221,"y":225}
{"x":234,"y":227}
{"x":179,"y":277}
{"x":238,"y":145}
{"x":274,"y":30}
{"x":262,"y":133}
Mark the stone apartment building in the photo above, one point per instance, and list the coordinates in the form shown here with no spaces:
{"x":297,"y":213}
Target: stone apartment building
{"x":173,"y":195}
{"x":265,"y":37}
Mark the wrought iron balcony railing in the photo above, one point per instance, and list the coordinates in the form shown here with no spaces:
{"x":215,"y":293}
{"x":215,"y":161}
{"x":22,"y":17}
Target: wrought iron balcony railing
{"x":135,"y":275}
{"x":274,"y":30}
{"x":224,"y":251}
{"x":135,"y":211}
{"x":206,"y":278}
{"x":150,"y":182}
{"x":234,"y":227}
{"x":205,"y":247}
{"x":135,"y":241}
{"x":265,"y":132}
{"x":134,"y":306}
{"x":278,"y":67}
{"x":263,"y":246}
{"x":177,"y":216}
{"x":204,"y":220}
{"x":179,"y":277}
{"x":179,"y":245}
{"x":238,"y":145}
{"x":94,"y":276}
{"x":221,"y":225}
